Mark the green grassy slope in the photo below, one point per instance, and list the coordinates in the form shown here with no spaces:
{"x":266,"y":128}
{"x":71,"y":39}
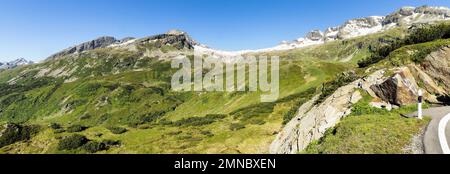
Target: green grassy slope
{"x":370,"y":130}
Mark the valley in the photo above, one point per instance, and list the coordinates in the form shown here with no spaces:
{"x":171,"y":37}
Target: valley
{"x":114,"y":96}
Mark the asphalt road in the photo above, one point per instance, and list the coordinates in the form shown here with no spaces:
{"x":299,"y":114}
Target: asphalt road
{"x":431,"y":141}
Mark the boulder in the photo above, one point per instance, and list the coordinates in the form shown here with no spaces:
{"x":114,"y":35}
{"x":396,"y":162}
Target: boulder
{"x":399,"y":89}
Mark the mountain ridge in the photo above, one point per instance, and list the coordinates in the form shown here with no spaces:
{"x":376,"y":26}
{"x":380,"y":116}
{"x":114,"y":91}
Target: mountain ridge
{"x":405,"y":16}
{"x":15,"y":63}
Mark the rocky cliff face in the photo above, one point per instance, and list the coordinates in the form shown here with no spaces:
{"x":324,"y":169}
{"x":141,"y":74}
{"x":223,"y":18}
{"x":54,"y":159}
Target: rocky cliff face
{"x":409,"y":15}
{"x":11,"y":133}
{"x":312,"y":121}
{"x":178,"y":39}
{"x":400,"y":89}
{"x":433,"y":73}
{"x":100,"y":42}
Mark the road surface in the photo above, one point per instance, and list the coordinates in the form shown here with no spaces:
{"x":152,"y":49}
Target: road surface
{"x":431,"y":140}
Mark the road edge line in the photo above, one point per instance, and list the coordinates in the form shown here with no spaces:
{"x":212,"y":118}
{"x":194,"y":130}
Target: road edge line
{"x":441,"y":134}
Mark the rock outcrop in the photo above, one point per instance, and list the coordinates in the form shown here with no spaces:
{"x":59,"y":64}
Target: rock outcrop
{"x":100,"y":42}
{"x":176,"y":38}
{"x":312,"y":121}
{"x":437,"y":66}
{"x":400,"y":89}
{"x":410,"y":15}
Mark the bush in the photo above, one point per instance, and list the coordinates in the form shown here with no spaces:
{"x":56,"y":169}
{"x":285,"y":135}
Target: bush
{"x":150,"y":117}
{"x":252,"y":111}
{"x":85,"y":117}
{"x":93,"y":146}
{"x":14,"y":132}
{"x":175,"y":133}
{"x":236,"y":126}
{"x":207,"y":133}
{"x":198,"y":121}
{"x":340,"y":80}
{"x":117,"y":130}
{"x":145,"y":126}
{"x":258,"y":122}
{"x":89,"y":89}
{"x":72,"y":142}
{"x":57,"y":131}
{"x":76,"y":128}
{"x":110,"y":143}
{"x":55,"y":126}
{"x":418,"y":35}
{"x":291,"y":113}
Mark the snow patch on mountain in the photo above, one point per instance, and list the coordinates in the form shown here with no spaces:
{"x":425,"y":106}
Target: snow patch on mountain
{"x":405,"y":16}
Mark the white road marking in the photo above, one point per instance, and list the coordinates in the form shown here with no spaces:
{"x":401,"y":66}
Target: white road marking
{"x":441,"y":134}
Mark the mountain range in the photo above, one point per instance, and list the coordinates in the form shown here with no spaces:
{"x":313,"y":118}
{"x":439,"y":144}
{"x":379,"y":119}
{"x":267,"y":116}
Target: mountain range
{"x":405,"y":16}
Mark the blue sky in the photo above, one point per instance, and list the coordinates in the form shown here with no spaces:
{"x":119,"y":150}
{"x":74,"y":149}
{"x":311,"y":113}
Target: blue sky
{"x":34,"y":29}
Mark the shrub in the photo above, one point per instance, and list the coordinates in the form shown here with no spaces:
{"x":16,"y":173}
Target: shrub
{"x":110,"y":143}
{"x":258,"y":122}
{"x":14,"y":132}
{"x":85,"y":117}
{"x":88,"y":89}
{"x":72,"y":142}
{"x":207,"y":133}
{"x":93,"y":146}
{"x":117,"y":130}
{"x":150,"y":117}
{"x":198,"y":121}
{"x":340,"y":80}
{"x":57,"y":131}
{"x":76,"y":128}
{"x":418,"y":35}
{"x":55,"y":126}
{"x":236,"y":126}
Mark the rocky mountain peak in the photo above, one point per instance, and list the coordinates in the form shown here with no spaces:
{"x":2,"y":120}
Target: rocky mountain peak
{"x":175,"y":32}
{"x":15,"y":63}
{"x":100,"y":42}
{"x":315,"y":35}
{"x":444,"y":11}
{"x":176,"y":38}
{"x":405,"y":16}
{"x":411,"y":15}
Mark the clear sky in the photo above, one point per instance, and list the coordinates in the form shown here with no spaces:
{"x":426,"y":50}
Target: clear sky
{"x":34,"y":29}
